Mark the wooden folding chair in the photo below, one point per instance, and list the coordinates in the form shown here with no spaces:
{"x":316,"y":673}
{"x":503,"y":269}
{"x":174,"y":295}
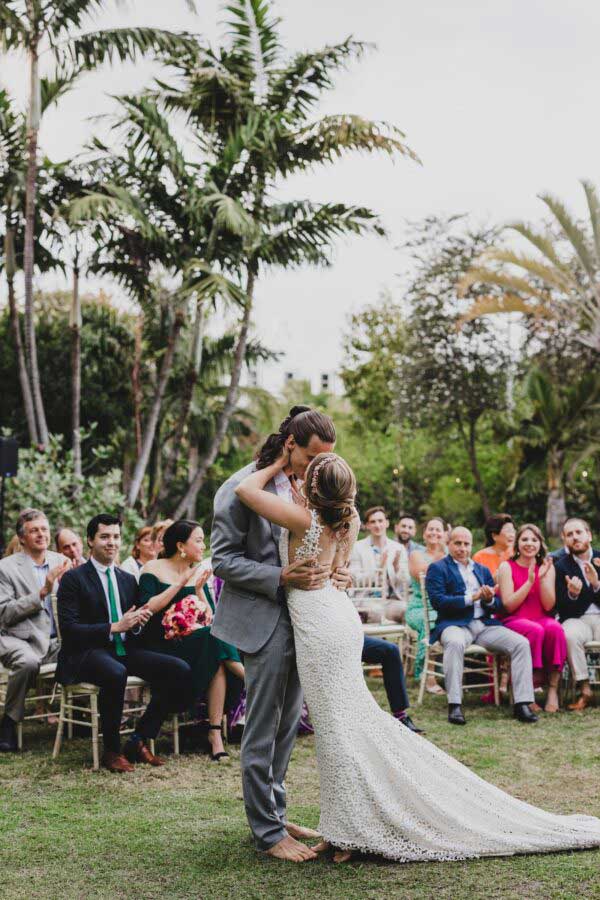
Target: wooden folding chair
{"x":44,"y":691}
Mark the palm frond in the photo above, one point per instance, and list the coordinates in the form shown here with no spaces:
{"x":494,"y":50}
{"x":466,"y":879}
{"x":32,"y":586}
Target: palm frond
{"x":254,"y":34}
{"x":572,"y":231}
{"x":70,"y":15}
{"x":52,"y":89}
{"x":302,"y":232}
{"x":593,"y":201}
{"x":229,"y":214}
{"x":13,"y":28}
{"x":555,"y":278}
{"x":205,"y":283}
{"x":296,"y":88}
{"x":332,"y":136}
{"x":96,"y":47}
{"x":543,"y":242}
{"x":513,"y":283}
{"x":491,"y":304}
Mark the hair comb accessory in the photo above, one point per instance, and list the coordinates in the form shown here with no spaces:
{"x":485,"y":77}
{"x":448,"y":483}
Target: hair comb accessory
{"x":318,"y":467}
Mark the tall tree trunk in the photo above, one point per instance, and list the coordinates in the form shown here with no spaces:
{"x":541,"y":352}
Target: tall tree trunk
{"x":33,"y":121}
{"x":556,"y":507}
{"x":199,"y":476}
{"x":136,"y":383}
{"x":10,"y":268}
{"x":75,"y":325}
{"x":470,"y":441}
{"x":150,"y":430}
{"x":191,"y":381}
{"x":193,"y":455}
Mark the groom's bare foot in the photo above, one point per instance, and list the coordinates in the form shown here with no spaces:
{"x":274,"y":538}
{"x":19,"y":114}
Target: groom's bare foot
{"x":291,"y":850}
{"x":298,"y":831}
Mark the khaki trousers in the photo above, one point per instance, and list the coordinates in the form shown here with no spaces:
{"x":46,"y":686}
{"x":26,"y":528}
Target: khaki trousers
{"x":579,"y":632}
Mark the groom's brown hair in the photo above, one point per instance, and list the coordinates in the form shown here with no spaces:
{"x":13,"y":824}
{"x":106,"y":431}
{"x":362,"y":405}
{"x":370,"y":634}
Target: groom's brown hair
{"x":302,"y":423}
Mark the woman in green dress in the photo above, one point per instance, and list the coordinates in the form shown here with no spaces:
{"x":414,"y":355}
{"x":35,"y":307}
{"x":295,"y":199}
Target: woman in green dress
{"x":163,"y":582}
{"x":419,"y":561}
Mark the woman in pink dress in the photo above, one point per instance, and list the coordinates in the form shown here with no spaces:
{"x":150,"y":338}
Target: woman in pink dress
{"x":528,"y":596}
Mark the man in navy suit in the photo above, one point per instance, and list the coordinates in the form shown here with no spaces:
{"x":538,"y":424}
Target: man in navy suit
{"x":578,"y":601}
{"x":464,"y":595}
{"x":99,"y":625}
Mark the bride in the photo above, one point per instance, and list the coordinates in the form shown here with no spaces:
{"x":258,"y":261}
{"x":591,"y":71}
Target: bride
{"x":383,"y":789}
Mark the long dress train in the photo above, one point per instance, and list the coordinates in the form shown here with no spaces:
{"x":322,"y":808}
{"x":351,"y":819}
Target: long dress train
{"x":384,"y":789}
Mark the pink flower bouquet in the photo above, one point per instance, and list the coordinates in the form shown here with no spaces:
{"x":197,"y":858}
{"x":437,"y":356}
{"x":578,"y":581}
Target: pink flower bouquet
{"x":185,"y":616}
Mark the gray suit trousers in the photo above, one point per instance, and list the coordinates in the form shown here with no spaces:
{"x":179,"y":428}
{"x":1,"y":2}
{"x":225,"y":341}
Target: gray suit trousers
{"x":456,"y":638}
{"x":273,"y":707}
{"x":24,"y":664}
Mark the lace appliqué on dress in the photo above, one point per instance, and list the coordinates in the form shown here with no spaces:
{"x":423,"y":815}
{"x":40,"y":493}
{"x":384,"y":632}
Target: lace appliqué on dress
{"x":309,"y":547}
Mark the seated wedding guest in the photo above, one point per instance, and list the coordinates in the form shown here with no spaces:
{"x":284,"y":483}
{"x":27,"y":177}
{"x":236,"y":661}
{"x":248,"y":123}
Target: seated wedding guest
{"x":70,"y":545}
{"x":158,"y":530}
{"x":419,"y":562}
{"x":27,"y":630}
{"x":386,"y":654}
{"x":463,"y":593}
{"x":578,"y":602}
{"x":528,"y":597}
{"x":405,"y":530}
{"x":100,"y":629}
{"x":144,"y":549}
{"x":500,"y":539}
{"x":163,"y":582}
{"x":377,"y":553}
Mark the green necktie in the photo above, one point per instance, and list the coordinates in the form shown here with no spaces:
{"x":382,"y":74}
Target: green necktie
{"x":114,"y":615}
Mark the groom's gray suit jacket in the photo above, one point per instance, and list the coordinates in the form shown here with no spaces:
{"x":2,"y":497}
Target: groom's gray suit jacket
{"x":245,"y":554}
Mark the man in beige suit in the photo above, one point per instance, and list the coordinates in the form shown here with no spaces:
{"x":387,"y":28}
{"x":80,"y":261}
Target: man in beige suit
{"x":27,"y":631}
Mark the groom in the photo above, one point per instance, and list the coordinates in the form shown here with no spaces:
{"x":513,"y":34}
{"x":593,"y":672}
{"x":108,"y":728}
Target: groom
{"x":252,"y":615}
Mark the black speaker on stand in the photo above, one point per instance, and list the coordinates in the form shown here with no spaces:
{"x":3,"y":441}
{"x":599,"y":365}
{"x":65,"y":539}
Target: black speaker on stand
{"x":9,"y":465}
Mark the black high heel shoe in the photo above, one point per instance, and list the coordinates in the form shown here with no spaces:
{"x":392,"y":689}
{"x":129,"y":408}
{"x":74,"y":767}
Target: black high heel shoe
{"x":217,"y":757}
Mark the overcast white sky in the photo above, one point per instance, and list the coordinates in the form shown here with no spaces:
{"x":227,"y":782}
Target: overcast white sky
{"x":498,"y":97}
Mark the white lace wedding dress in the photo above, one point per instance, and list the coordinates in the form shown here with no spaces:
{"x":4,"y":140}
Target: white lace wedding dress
{"x":384,"y":789}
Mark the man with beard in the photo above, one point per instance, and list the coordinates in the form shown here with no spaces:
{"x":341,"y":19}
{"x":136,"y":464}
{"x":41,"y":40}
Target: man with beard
{"x":578,"y":601}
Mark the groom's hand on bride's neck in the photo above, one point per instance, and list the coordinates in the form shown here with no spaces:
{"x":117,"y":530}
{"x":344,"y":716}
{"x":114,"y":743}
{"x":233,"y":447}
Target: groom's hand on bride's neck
{"x":305,"y":574}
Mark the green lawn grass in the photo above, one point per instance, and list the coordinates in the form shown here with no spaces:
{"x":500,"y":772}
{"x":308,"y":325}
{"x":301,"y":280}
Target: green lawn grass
{"x":180,"y":831}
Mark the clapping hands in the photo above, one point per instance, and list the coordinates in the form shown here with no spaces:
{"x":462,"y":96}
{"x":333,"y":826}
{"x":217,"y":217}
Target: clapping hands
{"x":546,"y":567}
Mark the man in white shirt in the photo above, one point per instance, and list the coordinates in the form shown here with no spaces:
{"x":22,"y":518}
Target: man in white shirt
{"x":27,"y":629}
{"x":578,"y":601}
{"x":383,"y":560}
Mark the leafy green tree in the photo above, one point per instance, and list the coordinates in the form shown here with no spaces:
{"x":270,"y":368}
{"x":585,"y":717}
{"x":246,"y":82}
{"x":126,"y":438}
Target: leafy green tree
{"x":450,"y":378}
{"x":37,"y":28}
{"x":48,"y":477}
{"x":561,"y":432}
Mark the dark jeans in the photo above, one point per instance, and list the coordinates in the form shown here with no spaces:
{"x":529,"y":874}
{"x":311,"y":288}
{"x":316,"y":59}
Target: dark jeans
{"x":385,"y":654}
{"x":169,"y":679}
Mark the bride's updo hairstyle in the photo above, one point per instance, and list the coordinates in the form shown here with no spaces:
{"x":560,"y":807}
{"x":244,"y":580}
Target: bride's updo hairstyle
{"x":302,"y":423}
{"x":330,"y":488}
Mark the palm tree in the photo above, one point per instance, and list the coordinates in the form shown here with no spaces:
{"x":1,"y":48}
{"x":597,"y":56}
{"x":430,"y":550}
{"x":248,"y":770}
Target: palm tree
{"x":36,"y":28}
{"x":559,"y":435}
{"x":153,"y":210}
{"x":559,"y":277}
{"x":252,"y":112}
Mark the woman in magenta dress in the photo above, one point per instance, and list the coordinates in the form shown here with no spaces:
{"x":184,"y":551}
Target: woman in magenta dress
{"x":528,"y":596}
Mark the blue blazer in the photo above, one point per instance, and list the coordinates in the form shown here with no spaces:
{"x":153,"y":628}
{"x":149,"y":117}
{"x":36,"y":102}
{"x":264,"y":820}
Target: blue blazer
{"x":446,"y":591}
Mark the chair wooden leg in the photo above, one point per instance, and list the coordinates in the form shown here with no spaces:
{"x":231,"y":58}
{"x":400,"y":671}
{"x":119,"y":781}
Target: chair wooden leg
{"x":20,"y":735}
{"x":224,"y":726}
{"x":423,"y":677}
{"x":496,"y":677}
{"x":95,"y":730}
{"x":176,"y":735}
{"x":61,"y":724}
{"x":70,"y":729}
